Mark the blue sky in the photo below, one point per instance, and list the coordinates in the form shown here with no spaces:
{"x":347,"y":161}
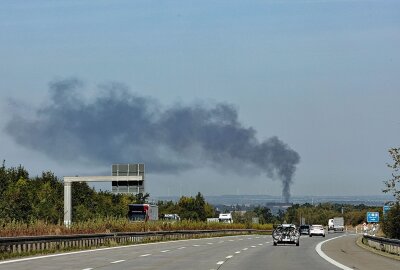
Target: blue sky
{"x":320,"y":75}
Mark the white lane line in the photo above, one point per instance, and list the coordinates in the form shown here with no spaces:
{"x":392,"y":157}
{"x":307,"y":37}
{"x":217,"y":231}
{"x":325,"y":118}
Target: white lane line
{"x":104,"y":249}
{"x":145,"y":255}
{"x":237,"y":252}
{"x":210,"y":243}
{"x":249,"y":238}
{"x":117,"y":261}
{"x":260,"y":244}
{"x":196,"y":245}
{"x":228,"y":257}
{"x":87,"y":269}
{"x":245,"y":249}
{"x":181,"y":247}
{"x":167,"y":250}
{"x":253,"y":246}
{"x":329,"y":259}
{"x":220,"y":262}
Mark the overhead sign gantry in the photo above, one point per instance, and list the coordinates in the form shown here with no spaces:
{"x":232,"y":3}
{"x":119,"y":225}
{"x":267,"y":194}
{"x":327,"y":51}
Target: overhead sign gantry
{"x":125,"y":178}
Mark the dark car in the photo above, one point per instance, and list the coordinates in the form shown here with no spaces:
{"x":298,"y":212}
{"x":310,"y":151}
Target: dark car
{"x":304,"y":229}
{"x":286,"y":234}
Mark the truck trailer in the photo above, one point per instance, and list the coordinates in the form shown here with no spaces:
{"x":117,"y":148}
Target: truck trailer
{"x":336,"y":224}
{"x":142,"y":212}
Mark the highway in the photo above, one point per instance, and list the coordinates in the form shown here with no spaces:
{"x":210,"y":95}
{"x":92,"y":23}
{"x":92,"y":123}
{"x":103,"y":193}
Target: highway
{"x":233,"y":252}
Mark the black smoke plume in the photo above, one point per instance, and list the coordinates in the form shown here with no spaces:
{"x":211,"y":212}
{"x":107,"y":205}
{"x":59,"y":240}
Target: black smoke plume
{"x":118,"y":126}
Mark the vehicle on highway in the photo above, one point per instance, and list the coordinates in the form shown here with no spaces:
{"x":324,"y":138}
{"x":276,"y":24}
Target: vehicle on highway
{"x":142,"y":212}
{"x":317,"y":230}
{"x":225,"y":218}
{"x":286,"y":234}
{"x":336,"y":224}
{"x":171,"y":217}
{"x":304,"y":229}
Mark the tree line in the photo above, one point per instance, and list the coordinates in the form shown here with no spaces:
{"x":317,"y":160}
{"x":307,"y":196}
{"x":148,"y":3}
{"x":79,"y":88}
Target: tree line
{"x":26,"y":199}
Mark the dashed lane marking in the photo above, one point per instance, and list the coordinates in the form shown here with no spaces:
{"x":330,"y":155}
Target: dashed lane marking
{"x":196,"y":245}
{"x":245,"y":249}
{"x":167,"y":250}
{"x":228,"y":257}
{"x":220,"y":262}
{"x":260,"y":244}
{"x":253,"y":246}
{"x":87,"y":269}
{"x":145,"y":255}
{"x":117,"y":261}
{"x":237,"y":252}
{"x":210,"y":243}
{"x":181,"y":247}
{"x":103,"y":249}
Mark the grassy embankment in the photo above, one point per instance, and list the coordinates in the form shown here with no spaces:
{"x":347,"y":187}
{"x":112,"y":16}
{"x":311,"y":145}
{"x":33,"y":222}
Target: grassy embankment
{"x":107,"y":225}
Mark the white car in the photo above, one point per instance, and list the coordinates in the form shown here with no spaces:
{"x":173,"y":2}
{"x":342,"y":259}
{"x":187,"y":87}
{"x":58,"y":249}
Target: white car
{"x":317,"y":230}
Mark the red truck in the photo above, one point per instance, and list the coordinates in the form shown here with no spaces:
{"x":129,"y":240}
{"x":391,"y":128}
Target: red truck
{"x":142,"y":212}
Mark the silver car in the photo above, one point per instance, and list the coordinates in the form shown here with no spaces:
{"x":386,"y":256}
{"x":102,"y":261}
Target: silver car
{"x":286,"y":234}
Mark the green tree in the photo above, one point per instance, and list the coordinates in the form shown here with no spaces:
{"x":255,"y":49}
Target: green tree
{"x":391,"y":185}
{"x":391,"y":222}
{"x":18,"y":201}
{"x":141,"y":198}
{"x":264,"y":213}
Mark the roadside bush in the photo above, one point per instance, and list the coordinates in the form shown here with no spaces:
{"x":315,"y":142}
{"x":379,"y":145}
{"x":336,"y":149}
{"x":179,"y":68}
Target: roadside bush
{"x":391,"y":222}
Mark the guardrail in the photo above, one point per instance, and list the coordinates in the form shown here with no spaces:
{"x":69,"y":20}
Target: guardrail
{"x":36,"y":244}
{"x":391,"y":246}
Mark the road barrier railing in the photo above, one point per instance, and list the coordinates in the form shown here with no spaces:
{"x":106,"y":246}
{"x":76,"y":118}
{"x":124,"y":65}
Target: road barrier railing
{"x":391,"y":246}
{"x":37,"y":244}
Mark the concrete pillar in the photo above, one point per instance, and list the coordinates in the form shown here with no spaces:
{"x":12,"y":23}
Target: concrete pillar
{"x":67,"y":204}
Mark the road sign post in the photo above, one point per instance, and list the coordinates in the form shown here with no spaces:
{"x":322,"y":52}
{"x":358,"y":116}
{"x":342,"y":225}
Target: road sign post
{"x":372,"y":217}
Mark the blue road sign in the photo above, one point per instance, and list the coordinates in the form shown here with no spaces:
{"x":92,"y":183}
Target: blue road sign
{"x":386,"y":208}
{"x":372,"y":217}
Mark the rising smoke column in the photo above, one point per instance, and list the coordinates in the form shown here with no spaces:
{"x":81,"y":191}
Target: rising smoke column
{"x":119,"y":126}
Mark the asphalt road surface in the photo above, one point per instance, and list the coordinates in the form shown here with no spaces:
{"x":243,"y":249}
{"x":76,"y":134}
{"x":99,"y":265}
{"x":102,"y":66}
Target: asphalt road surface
{"x":233,"y":252}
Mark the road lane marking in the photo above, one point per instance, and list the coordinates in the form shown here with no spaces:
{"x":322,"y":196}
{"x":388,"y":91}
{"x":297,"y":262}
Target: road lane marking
{"x":181,"y":247}
{"x":237,"y":252}
{"x":220,"y":262}
{"x":260,"y":244}
{"x":245,"y":249}
{"x":117,"y":261}
{"x":228,"y":257}
{"x":196,"y":245}
{"x":145,"y":255}
{"x":167,"y":250}
{"x":231,"y":240}
{"x":253,"y":246}
{"x":87,"y":269}
{"x":103,"y":249}
{"x":329,"y":259}
{"x":210,"y":243}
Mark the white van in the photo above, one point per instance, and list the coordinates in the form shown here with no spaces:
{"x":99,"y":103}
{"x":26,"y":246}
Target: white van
{"x":225,"y":218}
